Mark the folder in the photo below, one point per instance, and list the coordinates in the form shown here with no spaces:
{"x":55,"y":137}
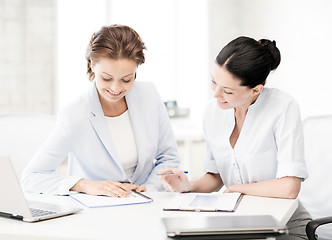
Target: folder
{"x":92,"y":201}
{"x":205,"y":202}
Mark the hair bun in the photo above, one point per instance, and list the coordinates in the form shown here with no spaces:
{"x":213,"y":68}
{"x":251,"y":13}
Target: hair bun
{"x":271,"y":46}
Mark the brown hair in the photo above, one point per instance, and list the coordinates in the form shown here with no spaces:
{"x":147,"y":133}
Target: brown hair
{"x":115,"y":42}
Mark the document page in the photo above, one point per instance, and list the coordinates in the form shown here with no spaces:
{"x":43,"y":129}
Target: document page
{"x":92,"y":201}
{"x":216,"y":201}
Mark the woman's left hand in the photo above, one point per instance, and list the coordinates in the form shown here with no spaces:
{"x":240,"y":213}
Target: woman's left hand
{"x":137,"y":188}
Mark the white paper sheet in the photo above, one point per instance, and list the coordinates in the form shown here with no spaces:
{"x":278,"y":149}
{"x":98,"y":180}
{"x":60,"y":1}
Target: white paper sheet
{"x":103,"y":201}
{"x":215,"y":201}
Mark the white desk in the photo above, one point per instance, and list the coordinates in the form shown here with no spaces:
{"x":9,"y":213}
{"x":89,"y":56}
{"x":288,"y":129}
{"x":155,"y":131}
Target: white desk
{"x":126,"y":222}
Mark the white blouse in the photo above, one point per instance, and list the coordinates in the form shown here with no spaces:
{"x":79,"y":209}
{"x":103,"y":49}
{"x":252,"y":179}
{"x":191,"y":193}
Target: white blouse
{"x":123,"y":137}
{"x":270,"y":144}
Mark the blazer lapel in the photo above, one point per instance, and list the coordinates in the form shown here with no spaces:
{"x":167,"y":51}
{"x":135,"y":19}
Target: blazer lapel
{"x":139,"y":129}
{"x":100,"y":126}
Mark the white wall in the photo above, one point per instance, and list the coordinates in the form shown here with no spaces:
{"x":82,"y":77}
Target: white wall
{"x":303,"y":34}
{"x":176,"y":40}
{"x":27,"y":44}
{"x":77,"y":21}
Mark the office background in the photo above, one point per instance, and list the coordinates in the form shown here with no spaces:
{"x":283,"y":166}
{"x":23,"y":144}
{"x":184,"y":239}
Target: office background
{"x":42,"y":45}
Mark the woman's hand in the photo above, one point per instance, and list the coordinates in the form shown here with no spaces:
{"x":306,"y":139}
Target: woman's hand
{"x":177,"y":180}
{"x":106,"y":188}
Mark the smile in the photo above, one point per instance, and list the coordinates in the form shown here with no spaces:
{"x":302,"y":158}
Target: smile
{"x":113,"y":93}
{"x":221,"y":101}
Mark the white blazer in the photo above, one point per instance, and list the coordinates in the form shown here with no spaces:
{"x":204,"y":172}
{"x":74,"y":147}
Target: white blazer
{"x":82,"y":134}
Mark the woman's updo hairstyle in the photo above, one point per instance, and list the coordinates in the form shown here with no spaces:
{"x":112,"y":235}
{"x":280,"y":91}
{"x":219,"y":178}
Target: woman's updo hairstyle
{"x":250,"y":60}
{"x":115,"y":42}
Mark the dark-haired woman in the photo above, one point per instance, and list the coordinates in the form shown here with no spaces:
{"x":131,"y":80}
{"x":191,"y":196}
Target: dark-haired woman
{"x":254,"y":134}
{"x":117,"y":135}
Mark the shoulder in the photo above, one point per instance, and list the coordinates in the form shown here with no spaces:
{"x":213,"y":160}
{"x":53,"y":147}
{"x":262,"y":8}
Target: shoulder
{"x":278,"y":99}
{"x":276,"y":104}
{"x":144,"y":92}
{"x":212,"y":109}
{"x":77,"y":108}
{"x":143,"y":88}
{"x":214,"y":116}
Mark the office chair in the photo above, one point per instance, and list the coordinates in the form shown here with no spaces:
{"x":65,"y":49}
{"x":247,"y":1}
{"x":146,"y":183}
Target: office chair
{"x":21,"y":135}
{"x":316,"y":191}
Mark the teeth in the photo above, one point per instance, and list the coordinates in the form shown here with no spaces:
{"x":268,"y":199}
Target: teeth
{"x":115,"y":93}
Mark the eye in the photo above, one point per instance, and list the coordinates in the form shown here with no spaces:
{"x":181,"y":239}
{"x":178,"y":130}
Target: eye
{"x":213,"y":82}
{"x":126,"y":80}
{"x":107,"y":79}
{"x":227,"y":92}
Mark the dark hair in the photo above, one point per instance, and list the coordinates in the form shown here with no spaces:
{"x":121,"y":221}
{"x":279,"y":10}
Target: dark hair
{"x":115,"y":42}
{"x":249,"y":60}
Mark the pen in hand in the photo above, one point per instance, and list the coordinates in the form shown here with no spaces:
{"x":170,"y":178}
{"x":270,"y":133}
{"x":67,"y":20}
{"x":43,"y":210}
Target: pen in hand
{"x":169,"y":173}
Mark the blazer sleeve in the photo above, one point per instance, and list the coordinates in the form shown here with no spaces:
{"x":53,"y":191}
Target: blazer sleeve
{"x":40,"y":175}
{"x":167,"y":155}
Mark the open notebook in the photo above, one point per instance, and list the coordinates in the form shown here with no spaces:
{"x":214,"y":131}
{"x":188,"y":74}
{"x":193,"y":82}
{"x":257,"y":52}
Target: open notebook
{"x":103,"y":201}
{"x":208,"y":202}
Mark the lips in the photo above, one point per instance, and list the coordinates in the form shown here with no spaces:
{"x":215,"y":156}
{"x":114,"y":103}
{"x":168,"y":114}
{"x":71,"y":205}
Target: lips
{"x":113,"y":94}
{"x":221,"y":101}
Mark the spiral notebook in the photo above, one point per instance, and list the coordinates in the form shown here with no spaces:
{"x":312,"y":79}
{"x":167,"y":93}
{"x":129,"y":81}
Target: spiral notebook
{"x":104,"y":201}
{"x":205,"y":202}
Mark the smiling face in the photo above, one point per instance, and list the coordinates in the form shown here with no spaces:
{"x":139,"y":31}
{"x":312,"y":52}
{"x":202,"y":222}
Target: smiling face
{"x":114,"y":78}
{"x":229,"y":92}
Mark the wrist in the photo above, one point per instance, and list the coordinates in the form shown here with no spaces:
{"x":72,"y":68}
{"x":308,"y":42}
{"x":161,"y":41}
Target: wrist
{"x":79,"y":186}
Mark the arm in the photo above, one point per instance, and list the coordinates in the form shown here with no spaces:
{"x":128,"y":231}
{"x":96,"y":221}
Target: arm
{"x":286,"y":187}
{"x":40,"y":176}
{"x":178,"y":181}
{"x":209,"y":182}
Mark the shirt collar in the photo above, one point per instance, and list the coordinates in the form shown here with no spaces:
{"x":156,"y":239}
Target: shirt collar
{"x":259,"y":99}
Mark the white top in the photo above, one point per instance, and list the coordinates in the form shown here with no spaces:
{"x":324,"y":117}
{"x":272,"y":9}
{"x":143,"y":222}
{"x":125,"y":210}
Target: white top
{"x":270,"y":144}
{"x":123,"y":137}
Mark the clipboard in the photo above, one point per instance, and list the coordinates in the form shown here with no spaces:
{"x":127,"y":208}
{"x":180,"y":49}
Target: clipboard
{"x":92,"y":201}
{"x":205,"y":202}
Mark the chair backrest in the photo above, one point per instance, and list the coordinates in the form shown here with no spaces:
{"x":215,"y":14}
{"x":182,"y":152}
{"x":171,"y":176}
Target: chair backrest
{"x":21,"y":135}
{"x":316,"y":191}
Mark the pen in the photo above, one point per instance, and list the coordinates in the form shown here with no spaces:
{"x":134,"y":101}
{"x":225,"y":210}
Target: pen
{"x":169,"y":173}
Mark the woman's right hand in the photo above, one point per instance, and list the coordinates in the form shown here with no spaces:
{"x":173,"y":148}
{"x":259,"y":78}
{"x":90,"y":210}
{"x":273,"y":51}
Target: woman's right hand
{"x":177,"y":180}
{"x":106,"y":188}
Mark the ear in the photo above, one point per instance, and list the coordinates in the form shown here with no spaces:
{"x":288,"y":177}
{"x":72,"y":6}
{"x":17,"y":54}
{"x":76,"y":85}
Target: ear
{"x":92,"y":66}
{"x":257,"y":90}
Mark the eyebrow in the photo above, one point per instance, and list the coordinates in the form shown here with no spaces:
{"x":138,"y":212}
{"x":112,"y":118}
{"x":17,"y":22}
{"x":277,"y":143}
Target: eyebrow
{"x":229,"y":88}
{"x":224,"y":86}
{"x":121,"y":77}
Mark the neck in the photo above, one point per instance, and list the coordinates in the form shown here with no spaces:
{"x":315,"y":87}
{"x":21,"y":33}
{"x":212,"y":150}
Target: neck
{"x":114,"y":109}
{"x":241,"y":111}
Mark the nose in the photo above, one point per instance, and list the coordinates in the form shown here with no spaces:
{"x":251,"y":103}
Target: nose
{"x":218,"y":93}
{"x":116,"y":86}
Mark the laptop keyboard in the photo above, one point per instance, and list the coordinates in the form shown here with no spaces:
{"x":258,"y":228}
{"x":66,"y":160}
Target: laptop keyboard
{"x":40,"y":212}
